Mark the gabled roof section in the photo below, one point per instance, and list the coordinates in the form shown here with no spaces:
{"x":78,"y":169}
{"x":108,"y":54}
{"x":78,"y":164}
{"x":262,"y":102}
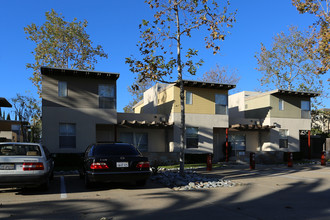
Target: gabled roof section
{"x":294,"y":93}
{"x":283,"y":92}
{"x":209,"y":85}
{"x":4,"y":103}
{"x":79,"y":73}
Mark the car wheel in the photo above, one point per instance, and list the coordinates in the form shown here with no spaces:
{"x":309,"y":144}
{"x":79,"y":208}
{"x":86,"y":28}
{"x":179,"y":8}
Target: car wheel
{"x":88,"y":183}
{"x":141,"y":182}
{"x":45,"y":185}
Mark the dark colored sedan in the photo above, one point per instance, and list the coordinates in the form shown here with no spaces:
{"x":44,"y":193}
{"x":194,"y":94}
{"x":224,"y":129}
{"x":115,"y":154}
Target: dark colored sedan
{"x":114,"y":162}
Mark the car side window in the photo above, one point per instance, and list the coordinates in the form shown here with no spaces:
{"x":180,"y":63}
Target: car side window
{"x":89,"y":151}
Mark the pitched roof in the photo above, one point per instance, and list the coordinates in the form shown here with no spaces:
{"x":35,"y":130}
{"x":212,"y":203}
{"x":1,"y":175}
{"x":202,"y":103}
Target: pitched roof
{"x":210,"y":85}
{"x":80,"y":73}
{"x":4,"y":103}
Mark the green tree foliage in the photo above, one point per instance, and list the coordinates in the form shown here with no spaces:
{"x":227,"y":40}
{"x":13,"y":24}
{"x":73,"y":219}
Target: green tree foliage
{"x":141,"y":85}
{"x":287,"y":65}
{"x":319,"y":42}
{"x":221,"y":74}
{"x":162,"y":47}
{"x":28,"y":111}
{"x":61,"y":44}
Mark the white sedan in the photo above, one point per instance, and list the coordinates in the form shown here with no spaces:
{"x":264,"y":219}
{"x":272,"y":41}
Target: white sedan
{"x":25,"y":165}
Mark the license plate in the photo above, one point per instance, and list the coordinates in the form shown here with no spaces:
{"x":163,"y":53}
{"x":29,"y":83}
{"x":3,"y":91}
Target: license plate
{"x":7,"y":166}
{"x":122,"y":164}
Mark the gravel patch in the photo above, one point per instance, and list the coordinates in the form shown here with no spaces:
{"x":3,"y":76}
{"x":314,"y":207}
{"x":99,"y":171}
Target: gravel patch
{"x":190,"y":181}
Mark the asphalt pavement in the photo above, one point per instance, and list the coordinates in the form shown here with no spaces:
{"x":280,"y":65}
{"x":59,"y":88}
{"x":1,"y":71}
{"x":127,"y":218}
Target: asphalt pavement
{"x":268,"y":192}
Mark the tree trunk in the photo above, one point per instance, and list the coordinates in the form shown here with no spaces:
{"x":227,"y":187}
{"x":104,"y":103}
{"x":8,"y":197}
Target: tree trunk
{"x":183,"y":126}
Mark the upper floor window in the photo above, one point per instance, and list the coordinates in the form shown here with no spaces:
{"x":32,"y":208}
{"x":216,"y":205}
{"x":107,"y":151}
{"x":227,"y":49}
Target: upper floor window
{"x":107,"y":97}
{"x":189,"y":98}
{"x":305,"y":109}
{"x":281,"y":105}
{"x":62,"y":89}
{"x":221,"y":104}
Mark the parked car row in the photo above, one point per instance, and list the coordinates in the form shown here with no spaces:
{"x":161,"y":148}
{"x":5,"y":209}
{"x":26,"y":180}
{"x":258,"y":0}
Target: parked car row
{"x":31,"y":164}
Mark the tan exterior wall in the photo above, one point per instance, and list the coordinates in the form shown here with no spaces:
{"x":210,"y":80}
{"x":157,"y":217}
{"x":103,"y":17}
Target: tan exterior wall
{"x":203,"y":100}
{"x":167,"y":100}
{"x":156,"y":138}
{"x":138,"y":108}
{"x":80,"y":107}
{"x":205,"y":125}
{"x":82,"y":92}
{"x":292,"y":106}
{"x":85,"y":119}
{"x":258,"y":107}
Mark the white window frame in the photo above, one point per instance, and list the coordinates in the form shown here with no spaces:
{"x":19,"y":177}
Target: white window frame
{"x":281,"y":105}
{"x":189,"y":98}
{"x":221,"y":100}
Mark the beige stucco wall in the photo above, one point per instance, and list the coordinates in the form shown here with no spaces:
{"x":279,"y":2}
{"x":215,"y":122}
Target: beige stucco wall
{"x":156,"y":137}
{"x":203,"y":100}
{"x":205,"y":124}
{"x":85,"y":120}
{"x":292,"y":106}
{"x":82,"y":91}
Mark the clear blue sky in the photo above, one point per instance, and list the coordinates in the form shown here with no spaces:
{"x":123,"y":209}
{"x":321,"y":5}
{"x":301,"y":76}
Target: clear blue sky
{"x":114,"y":25}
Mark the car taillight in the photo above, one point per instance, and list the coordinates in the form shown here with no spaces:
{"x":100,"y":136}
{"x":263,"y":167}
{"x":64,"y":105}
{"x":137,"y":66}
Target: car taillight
{"x":97,"y":166}
{"x":33,"y":166}
{"x":143,"y":165}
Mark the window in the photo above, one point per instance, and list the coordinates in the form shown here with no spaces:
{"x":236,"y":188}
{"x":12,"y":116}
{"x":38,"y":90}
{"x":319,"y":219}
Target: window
{"x":62,"y":89}
{"x":139,"y":140}
{"x":281,"y":105}
{"x":67,"y":135}
{"x":192,"y":137}
{"x":221,"y":104}
{"x":189,"y":98}
{"x":284,"y":133}
{"x":107,"y":97}
{"x":237,"y":142}
{"x":305,"y":109}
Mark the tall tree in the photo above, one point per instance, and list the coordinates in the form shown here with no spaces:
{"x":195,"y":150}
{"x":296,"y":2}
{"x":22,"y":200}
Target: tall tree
{"x":61,"y":44}
{"x":136,"y":91}
{"x":174,"y":20}
{"x":28,"y":110}
{"x":319,"y":42}
{"x":221,"y":74}
{"x":287,"y":65}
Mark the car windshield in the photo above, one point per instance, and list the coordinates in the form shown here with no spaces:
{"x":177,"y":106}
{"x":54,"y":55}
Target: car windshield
{"x":19,"y":150}
{"x":115,"y":149}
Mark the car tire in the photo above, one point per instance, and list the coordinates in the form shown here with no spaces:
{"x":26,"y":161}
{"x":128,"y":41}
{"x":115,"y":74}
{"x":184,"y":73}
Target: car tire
{"x":88,"y":183}
{"x":141,"y":182}
{"x":45,"y":185}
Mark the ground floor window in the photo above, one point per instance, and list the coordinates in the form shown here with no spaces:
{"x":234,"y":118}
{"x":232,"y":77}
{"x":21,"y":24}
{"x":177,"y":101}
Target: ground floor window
{"x":139,"y":140}
{"x":284,"y":133}
{"x":238,"y":143}
{"x":67,"y":135}
{"x":192,"y":137}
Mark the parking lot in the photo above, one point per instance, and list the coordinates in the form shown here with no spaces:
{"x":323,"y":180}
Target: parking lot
{"x":268,"y":192}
